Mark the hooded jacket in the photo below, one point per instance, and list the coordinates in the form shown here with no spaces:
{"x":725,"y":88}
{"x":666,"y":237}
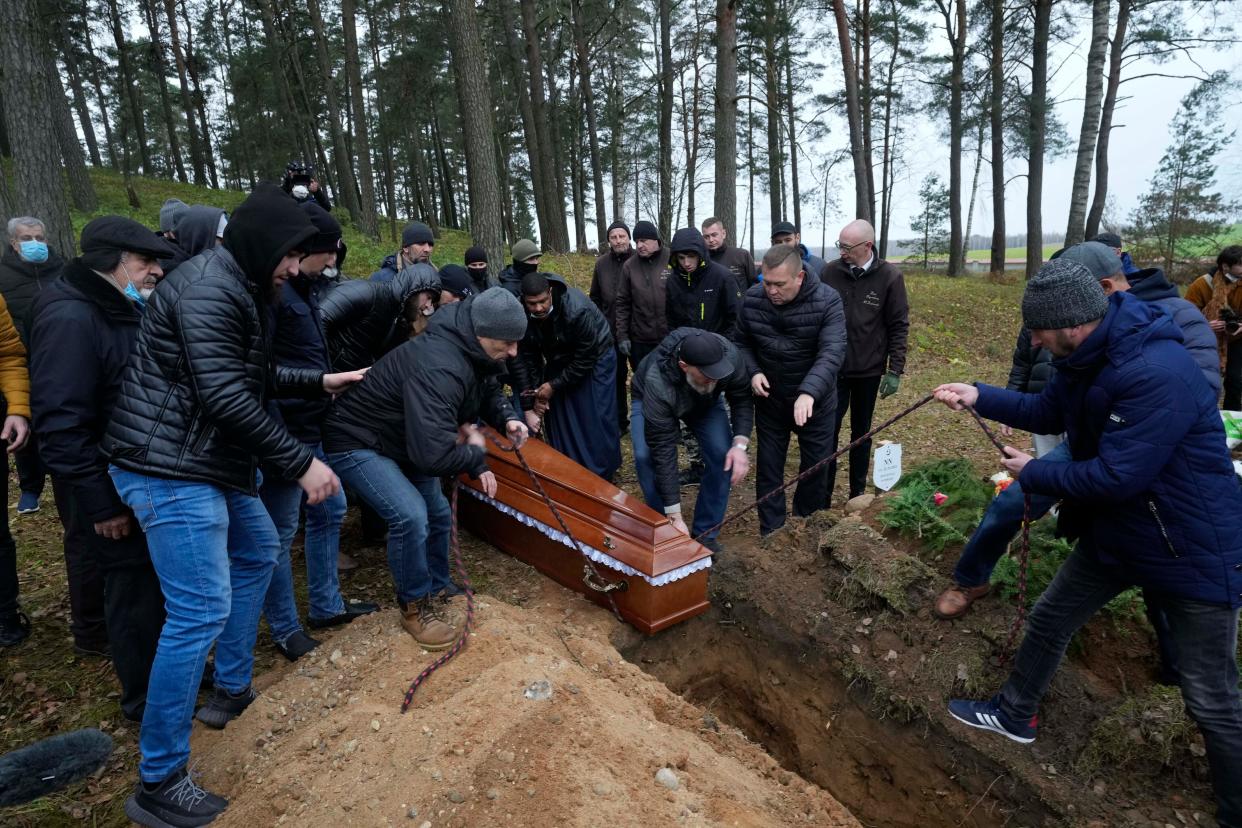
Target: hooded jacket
{"x":82,"y":332}
{"x":739,"y":262}
{"x":798,"y":346}
{"x":192,"y":399}
{"x":877,"y":314}
{"x":409,"y":406}
{"x":640,"y":298}
{"x":1150,"y":285}
{"x":668,"y":401}
{"x":387,"y":269}
{"x":511,"y":277}
{"x":299,"y":342}
{"x":706,"y":297}
{"x":22,"y":281}
{"x":198,"y":228}
{"x":563,"y":348}
{"x":1151,"y":488}
{"x":606,"y":284}
{"x":363,"y":320}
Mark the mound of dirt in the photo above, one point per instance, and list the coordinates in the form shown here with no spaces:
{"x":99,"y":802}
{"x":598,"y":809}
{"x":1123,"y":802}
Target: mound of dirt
{"x":326,"y":744}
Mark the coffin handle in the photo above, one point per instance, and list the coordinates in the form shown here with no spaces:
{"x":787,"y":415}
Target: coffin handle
{"x":593,"y":580}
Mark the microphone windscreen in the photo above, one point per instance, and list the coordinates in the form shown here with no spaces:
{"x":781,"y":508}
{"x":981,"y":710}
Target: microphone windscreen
{"x":51,"y":764}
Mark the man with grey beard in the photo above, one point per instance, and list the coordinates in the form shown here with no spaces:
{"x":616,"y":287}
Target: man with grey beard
{"x":682,"y":381}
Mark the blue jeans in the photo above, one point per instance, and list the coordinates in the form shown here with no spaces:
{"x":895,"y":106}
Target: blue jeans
{"x":715,"y":435}
{"x":1001,"y":522}
{"x":418,"y":517}
{"x":283,"y":500}
{"x":214,"y":550}
{"x":1203,"y":636}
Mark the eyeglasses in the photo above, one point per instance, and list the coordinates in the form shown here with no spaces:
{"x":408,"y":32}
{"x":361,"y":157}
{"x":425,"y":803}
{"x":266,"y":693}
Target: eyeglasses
{"x":846,"y":248}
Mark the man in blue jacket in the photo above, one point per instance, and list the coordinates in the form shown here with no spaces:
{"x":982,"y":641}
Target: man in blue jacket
{"x":1149,"y":495}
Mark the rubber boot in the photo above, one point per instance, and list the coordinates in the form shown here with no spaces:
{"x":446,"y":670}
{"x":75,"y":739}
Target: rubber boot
{"x":423,"y":621}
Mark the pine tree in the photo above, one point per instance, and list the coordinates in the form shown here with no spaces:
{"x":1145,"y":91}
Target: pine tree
{"x":933,"y":238}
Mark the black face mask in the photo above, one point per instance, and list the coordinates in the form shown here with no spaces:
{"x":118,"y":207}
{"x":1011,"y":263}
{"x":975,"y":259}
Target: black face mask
{"x":523,"y":268}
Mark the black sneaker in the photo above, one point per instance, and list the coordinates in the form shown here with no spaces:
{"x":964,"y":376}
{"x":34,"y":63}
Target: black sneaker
{"x":177,"y":802}
{"x":223,"y":707}
{"x":14,"y":630}
{"x":353,"y":609}
{"x":296,"y":645}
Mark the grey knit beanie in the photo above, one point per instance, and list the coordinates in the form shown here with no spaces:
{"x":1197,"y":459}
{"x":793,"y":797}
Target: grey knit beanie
{"x":1062,"y":294}
{"x":170,"y":214}
{"x":497,"y":314}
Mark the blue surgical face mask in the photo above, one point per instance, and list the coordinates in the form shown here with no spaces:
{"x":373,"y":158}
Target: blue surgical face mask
{"x":133,"y":293}
{"x":33,"y":251}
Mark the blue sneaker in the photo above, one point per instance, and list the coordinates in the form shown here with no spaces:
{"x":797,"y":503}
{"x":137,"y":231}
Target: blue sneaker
{"x":28,"y":503}
{"x":987,"y":715}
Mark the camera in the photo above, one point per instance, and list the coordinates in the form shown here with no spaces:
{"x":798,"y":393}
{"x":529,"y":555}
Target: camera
{"x":1233,"y":323}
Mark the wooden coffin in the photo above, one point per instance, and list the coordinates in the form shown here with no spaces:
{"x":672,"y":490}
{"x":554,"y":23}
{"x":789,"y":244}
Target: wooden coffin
{"x":665,"y":572}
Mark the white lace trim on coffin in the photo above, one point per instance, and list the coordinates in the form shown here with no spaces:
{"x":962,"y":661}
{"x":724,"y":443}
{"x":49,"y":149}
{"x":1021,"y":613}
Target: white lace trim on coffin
{"x":591,"y":552}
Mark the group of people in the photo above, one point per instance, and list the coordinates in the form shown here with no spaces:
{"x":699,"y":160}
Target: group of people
{"x":196,"y":393}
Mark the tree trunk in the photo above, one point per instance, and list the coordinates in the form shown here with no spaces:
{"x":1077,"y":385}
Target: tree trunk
{"x":996,"y":117}
{"x":187,"y":106}
{"x":552,"y":227}
{"x":750,"y":157}
{"x":160,"y":69}
{"x":555,"y":114}
{"x":665,"y":220}
{"x":974,"y":189}
{"x":347,"y":190}
{"x":955,"y":28}
{"x":447,"y":196}
{"x":79,"y":97}
{"x":1038,"y":123}
{"x":30,"y":123}
{"x":888,"y":160}
{"x":795,"y":194}
{"x":209,"y":156}
{"x":81,"y":190}
{"x":577,"y":181}
{"x":475,"y":105}
{"x":137,"y":118}
{"x":368,"y":221}
{"x":1117,"y":51}
{"x":772,"y":100}
{"x":864,"y":100}
{"x":521,"y":83}
{"x":724,"y":200}
{"x":1090,"y":129}
{"x":862,"y":164}
{"x":588,"y":103}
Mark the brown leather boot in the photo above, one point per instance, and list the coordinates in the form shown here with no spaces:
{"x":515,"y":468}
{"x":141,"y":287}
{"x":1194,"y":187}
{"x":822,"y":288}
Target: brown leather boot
{"x":423,"y":621}
{"x":956,"y":600}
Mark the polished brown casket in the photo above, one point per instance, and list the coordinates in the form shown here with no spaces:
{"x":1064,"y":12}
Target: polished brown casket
{"x":664,"y":571}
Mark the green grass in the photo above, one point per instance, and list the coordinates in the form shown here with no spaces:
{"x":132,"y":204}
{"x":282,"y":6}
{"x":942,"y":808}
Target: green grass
{"x":1010,"y":253}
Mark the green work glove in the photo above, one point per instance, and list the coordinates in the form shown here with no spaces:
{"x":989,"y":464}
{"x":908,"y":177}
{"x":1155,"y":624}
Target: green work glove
{"x":888,"y":385}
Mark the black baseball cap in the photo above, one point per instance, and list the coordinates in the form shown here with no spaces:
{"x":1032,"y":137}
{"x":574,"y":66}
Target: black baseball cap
{"x":782,"y":228}
{"x":706,"y":351}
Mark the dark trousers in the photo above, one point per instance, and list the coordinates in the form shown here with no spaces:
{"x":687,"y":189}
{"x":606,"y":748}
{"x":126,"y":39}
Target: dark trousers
{"x":8,"y":554}
{"x":1233,"y":377}
{"x":857,"y":396}
{"x":774,"y":423}
{"x":639,"y":350}
{"x":30,"y":469}
{"x":1203,"y":636}
{"x":623,"y":397}
{"x":86,"y":583}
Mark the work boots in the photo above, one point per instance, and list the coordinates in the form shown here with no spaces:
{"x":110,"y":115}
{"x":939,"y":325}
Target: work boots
{"x":956,"y":600}
{"x":422,"y":620}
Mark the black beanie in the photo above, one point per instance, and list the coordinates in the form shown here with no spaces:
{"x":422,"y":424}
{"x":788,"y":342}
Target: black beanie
{"x":416,"y":233}
{"x":476,"y":254}
{"x":645,"y":230}
{"x":263,"y":229}
{"x":327,"y":239}
{"x":617,"y":225}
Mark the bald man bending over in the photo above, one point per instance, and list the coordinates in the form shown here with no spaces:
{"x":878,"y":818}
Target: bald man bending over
{"x":877,"y":319}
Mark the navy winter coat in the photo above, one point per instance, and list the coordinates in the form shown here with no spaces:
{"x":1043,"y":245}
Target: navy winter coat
{"x":1151,"y":486}
{"x":299,"y":342}
{"x":1150,"y":285}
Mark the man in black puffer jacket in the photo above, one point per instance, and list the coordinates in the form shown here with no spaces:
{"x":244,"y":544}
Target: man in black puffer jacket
{"x":565,"y":374}
{"x":701,"y":293}
{"x":365,"y":319}
{"x":681,"y":382}
{"x":188,"y":432}
{"x":409,"y":422}
{"x":791,"y":332}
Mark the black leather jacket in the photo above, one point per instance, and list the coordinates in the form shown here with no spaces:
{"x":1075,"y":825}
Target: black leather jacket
{"x":563,"y":349}
{"x":365,"y":319}
{"x":192,"y":400}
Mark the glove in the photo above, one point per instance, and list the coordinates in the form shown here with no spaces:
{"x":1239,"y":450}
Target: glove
{"x":624,"y":347}
{"x":888,"y":385}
